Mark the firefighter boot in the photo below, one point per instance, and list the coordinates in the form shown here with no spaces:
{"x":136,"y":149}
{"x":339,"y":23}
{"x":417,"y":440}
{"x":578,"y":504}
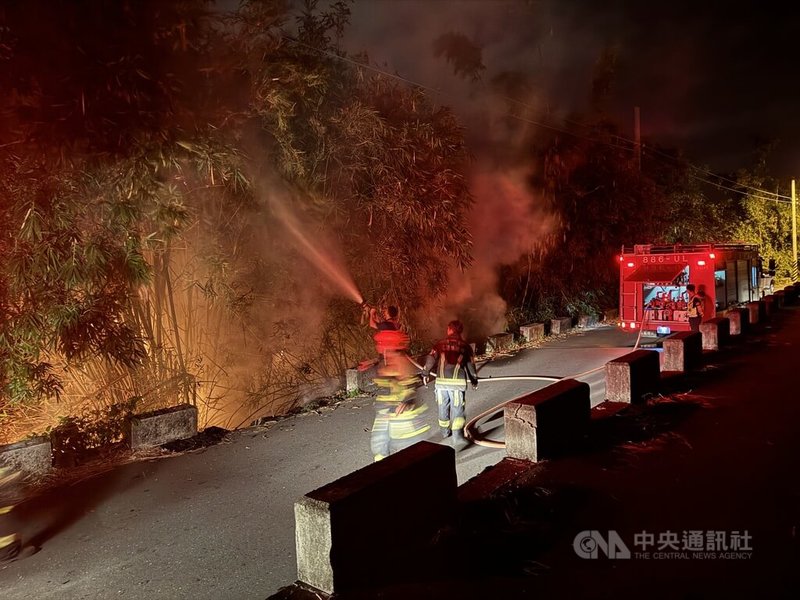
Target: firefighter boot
{"x":445,"y":431}
{"x":10,"y":547}
{"x":459,"y":441}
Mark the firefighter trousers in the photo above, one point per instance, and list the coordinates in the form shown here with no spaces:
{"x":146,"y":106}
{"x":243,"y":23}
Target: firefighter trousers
{"x":9,"y":542}
{"x":392,"y":432}
{"x":452,"y":407}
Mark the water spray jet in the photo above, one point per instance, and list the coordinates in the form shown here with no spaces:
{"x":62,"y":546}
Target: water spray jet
{"x":324,"y":263}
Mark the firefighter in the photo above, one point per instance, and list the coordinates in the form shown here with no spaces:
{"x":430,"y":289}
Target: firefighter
{"x":695,"y":307}
{"x":455,"y":364}
{"x":389,"y":336}
{"x":10,"y":544}
{"x":387,"y":321}
{"x":399,"y":418}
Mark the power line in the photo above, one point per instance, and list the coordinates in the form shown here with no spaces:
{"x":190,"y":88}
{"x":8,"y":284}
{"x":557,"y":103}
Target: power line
{"x":633,"y":143}
{"x":720,"y":177}
{"x":776,"y":197}
{"x":730,"y":189}
{"x":572,"y":133}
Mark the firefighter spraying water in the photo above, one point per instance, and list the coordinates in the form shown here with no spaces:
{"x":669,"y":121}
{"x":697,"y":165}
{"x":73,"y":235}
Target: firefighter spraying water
{"x":399,"y":416}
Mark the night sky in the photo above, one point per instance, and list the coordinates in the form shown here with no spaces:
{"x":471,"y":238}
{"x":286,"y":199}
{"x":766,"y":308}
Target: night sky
{"x":710,"y":77}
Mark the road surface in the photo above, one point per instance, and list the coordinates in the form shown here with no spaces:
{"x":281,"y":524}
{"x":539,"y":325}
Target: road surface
{"x":218,"y":523}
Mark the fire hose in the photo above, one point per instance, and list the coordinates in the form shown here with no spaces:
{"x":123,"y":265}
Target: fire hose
{"x":470,"y":428}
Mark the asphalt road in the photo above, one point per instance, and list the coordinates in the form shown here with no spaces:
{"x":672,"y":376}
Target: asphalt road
{"x":218,"y":523}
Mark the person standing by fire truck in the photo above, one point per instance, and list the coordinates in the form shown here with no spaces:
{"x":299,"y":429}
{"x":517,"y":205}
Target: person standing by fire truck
{"x":695,"y":307}
{"x":455,"y":364}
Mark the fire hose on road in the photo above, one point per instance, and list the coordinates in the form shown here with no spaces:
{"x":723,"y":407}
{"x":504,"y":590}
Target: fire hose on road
{"x":470,"y":428}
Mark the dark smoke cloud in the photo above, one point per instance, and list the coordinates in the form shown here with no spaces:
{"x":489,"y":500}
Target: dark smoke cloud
{"x":498,"y":64}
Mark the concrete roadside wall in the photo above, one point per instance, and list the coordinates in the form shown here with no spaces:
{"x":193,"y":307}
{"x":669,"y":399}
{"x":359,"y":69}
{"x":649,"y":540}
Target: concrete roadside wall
{"x":754,"y":312}
{"x":500,"y":342}
{"x":739,"y":320}
{"x":630,"y":377}
{"x":560,"y":325}
{"x":532,"y":332}
{"x":547,"y":422}
{"x":682,"y":351}
{"x":33,"y":457}
{"x":715,"y":332}
{"x":162,"y":426}
{"x":368,"y":528}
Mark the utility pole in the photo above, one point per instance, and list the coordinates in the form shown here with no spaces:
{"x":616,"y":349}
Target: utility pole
{"x":794,"y":234}
{"x":637,"y":136}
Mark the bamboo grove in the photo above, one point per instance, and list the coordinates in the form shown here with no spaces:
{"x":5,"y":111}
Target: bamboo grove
{"x":141,"y":148}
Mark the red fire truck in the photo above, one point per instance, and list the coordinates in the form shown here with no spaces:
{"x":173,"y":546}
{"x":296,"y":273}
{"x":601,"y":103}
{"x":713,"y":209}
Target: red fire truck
{"x":653,"y":279}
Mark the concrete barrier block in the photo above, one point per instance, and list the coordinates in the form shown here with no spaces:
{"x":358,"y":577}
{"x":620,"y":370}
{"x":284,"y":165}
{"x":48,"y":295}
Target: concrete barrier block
{"x":767,"y":307}
{"x":754,"y":311}
{"x":499,"y":342}
{"x":715,"y":333}
{"x":361,"y":531}
{"x":682,"y":351}
{"x":739,"y":320}
{"x":162,"y":426}
{"x":547,"y":422}
{"x":309,"y":392}
{"x":587,"y":321}
{"x":479,"y":348}
{"x":351,"y":381}
{"x":560,"y":325}
{"x":532,"y":332}
{"x":31,"y":457}
{"x":630,"y":377}
{"x":360,"y":379}
{"x":780,"y":299}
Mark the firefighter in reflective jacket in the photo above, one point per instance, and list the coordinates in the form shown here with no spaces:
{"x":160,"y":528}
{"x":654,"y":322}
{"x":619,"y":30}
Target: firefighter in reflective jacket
{"x":455,"y":364}
{"x":10,"y":544}
{"x":399,"y":418}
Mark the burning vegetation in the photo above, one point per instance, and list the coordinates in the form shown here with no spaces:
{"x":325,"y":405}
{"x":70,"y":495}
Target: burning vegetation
{"x":160,"y":163}
{"x":194,"y":204}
